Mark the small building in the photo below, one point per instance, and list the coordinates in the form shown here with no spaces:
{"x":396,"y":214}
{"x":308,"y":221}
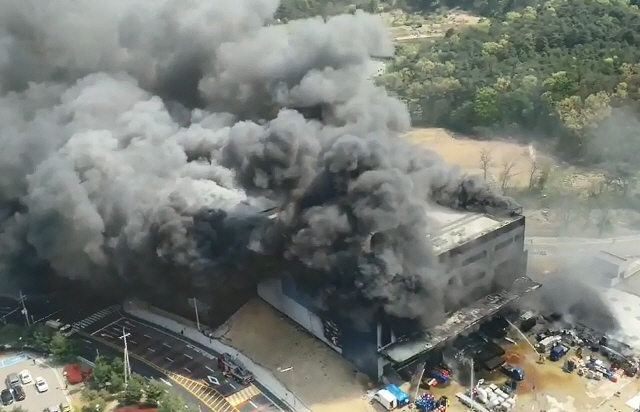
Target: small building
{"x":611,"y":268}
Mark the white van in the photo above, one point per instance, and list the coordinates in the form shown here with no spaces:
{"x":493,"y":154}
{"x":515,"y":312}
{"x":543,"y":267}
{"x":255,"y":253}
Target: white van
{"x":547,"y":343}
{"x":386,"y":399}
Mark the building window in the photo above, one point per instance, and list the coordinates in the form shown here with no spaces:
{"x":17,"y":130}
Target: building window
{"x":472,"y":278}
{"x":503,"y":244}
{"x":474,"y":258}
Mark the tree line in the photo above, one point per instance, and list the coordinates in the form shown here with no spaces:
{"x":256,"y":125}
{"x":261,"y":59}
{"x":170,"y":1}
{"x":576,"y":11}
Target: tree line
{"x":556,"y":71}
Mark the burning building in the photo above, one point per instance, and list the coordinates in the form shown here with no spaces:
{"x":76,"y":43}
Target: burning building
{"x":484,"y":262}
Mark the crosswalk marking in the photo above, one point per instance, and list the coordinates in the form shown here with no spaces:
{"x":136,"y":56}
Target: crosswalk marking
{"x":244,"y":395}
{"x":93,"y":318}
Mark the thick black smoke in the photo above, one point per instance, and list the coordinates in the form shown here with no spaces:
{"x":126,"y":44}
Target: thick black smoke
{"x":140,"y":139}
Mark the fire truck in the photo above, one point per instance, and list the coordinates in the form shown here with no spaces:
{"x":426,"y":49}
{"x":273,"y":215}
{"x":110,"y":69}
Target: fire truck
{"x":232,"y":368}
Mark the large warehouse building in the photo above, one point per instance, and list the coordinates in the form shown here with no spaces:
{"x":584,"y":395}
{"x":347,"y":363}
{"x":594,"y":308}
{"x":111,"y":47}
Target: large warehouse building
{"x":484,"y":258}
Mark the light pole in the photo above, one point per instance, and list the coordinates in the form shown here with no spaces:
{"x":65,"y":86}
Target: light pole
{"x":195,"y":306}
{"x":293,"y":382}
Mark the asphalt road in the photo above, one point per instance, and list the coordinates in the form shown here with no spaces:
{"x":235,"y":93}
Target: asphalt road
{"x":174,"y":353}
{"x":98,"y":327}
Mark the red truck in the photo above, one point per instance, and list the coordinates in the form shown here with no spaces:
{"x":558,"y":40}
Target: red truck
{"x":232,"y":368}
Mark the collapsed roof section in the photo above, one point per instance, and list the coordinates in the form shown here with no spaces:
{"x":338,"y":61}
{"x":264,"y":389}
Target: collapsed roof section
{"x":403,"y":352}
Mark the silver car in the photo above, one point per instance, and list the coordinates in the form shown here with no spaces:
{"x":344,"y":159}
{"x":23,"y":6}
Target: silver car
{"x":53,"y":408}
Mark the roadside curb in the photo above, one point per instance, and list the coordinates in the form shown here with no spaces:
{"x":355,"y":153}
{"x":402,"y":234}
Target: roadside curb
{"x":263,"y":376}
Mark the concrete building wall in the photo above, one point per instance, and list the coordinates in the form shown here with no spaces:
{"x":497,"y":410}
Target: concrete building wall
{"x":485,"y":262}
{"x":498,"y":254}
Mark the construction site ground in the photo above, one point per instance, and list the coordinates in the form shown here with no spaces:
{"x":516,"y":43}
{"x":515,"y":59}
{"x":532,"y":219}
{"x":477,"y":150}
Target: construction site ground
{"x":327,"y":383}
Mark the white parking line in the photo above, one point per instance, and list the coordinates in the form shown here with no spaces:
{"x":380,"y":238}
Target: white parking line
{"x":190,"y":357}
{"x":168,"y":359}
{"x":253,"y":404}
{"x":188,"y":370}
{"x":166,"y":344}
{"x":145,"y":325}
{"x":133,"y":341}
{"x":151,"y":349}
{"x":232,"y":385}
{"x":115,"y":321}
{"x":147,"y":336}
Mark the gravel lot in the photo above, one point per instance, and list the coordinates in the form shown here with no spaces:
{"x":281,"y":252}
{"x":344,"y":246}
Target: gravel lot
{"x":34,"y":401}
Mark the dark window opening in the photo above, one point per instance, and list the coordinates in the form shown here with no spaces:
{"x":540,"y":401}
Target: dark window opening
{"x":474,"y":258}
{"x":503,"y":244}
{"x":472,"y":278}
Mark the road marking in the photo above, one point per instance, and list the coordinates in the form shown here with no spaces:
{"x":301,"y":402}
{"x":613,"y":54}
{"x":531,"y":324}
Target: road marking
{"x":168,"y":359}
{"x":151,"y":349}
{"x":147,"y":336}
{"x":188,"y":371}
{"x":166,"y":344}
{"x":133,"y":341}
{"x":253,"y":404}
{"x":190,"y":357}
{"x":115,"y":321}
{"x":210,"y":369}
{"x":166,"y":381}
{"x":232,"y":385}
{"x":244,"y":395}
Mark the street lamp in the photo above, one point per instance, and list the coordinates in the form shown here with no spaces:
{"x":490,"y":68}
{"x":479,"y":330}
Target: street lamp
{"x":293,"y":382}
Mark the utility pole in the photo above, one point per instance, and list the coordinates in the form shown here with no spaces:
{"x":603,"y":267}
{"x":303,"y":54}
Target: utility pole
{"x":127,"y":366}
{"x":195,"y":306}
{"x":24,"y":309}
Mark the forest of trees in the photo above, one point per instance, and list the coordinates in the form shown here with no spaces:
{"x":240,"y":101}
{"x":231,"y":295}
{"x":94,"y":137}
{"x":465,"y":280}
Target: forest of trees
{"x":565,"y":72}
{"x":558,"y":70}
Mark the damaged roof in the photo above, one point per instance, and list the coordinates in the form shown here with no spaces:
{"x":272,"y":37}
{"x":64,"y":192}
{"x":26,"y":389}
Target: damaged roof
{"x":451,"y":228}
{"x":402,"y":352}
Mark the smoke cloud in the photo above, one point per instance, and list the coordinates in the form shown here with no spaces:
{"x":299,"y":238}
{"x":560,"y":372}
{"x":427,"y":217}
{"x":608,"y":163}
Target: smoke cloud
{"x":140,"y":140}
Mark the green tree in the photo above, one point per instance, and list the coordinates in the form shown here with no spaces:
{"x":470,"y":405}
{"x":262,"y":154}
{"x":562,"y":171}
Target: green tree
{"x":171,"y":403}
{"x":133,"y":391}
{"x":12,"y":335}
{"x":154,"y":393}
{"x":101,"y":374}
{"x":485,"y":106}
{"x":19,"y":408}
{"x":62,"y":348}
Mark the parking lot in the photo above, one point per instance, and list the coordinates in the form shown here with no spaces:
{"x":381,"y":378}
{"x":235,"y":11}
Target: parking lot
{"x":35,"y":401}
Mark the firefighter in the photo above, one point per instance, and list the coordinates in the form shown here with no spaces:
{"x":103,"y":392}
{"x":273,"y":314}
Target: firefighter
{"x":579,"y":352}
{"x":541,"y":359}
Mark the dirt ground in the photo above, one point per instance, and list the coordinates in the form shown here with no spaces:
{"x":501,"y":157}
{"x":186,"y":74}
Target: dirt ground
{"x":327,"y":383}
{"x":406,"y":27}
{"x":465,"y":153}
{"x":324,"y":381}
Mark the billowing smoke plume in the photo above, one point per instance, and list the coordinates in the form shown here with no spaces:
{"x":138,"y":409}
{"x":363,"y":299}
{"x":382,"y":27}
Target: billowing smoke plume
{"x":140,"y":139}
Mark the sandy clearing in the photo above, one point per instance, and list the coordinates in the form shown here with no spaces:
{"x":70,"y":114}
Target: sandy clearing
{"x":465,"y":153}
{"x":324,"y":381}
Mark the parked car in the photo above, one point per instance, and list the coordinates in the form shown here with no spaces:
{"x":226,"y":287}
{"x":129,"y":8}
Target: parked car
{"x":512,"y":371}
{"x":53,"y":408}
{"x":25,"y":377}
{"x":12,"y":380}
{"x":41,"y":385}
{"x":18,"y":393}
{"x":6,"y":397}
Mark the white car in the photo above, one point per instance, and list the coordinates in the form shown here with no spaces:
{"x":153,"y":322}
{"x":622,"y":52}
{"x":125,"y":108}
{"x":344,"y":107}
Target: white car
{"x":41,"y":384}
{"x":25,"y":377}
